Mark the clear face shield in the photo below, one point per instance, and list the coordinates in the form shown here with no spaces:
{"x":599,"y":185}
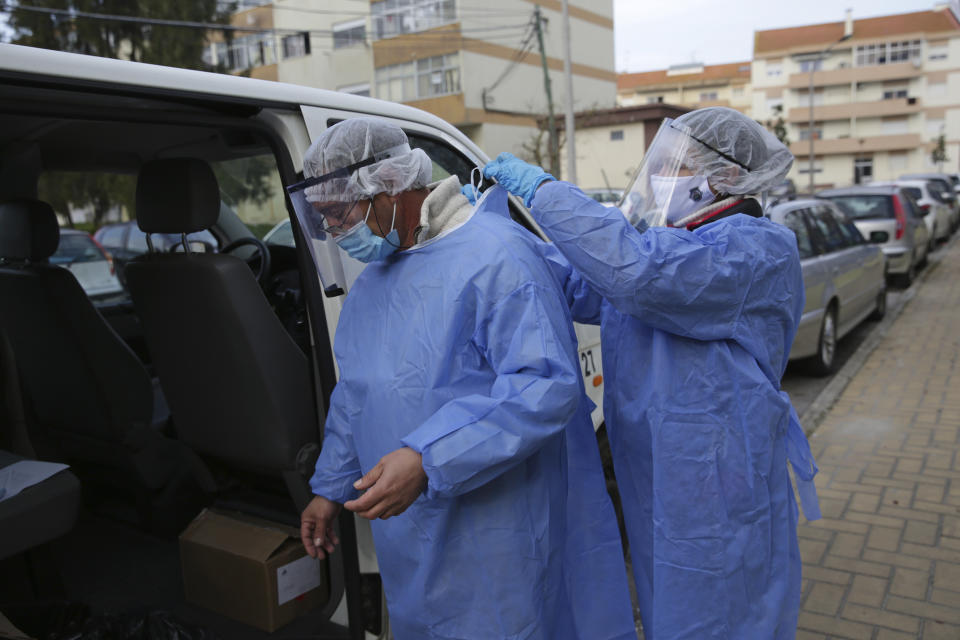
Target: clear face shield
{"x":666,"y":186}
{"x":322,"y":247}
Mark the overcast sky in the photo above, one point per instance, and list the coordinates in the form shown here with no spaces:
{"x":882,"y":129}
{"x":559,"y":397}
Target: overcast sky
{"x":654,"y":34}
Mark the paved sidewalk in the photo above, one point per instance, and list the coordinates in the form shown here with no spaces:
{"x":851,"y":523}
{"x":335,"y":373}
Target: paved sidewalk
{"x":884,"y":562}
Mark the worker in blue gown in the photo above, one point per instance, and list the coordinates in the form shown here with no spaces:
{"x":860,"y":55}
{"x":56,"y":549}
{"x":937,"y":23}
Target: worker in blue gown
{"x":459,"y":424}
{"x":699,"y":298}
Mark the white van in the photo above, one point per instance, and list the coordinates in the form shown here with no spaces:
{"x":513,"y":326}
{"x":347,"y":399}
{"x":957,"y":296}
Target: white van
{"x":158,"y":427}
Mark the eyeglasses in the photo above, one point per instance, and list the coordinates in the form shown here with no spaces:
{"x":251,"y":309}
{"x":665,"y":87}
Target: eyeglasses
{"x":336,"y":217}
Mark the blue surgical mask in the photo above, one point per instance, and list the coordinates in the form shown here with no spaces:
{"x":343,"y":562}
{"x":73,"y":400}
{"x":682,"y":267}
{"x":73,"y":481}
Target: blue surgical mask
{"x":364,"y":245}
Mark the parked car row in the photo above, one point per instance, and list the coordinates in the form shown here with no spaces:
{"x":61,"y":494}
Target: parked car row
{"x":852,"y":241}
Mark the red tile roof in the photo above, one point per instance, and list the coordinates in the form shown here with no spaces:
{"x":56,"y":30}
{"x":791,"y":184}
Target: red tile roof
{"x":821,"y":35}
{"x":628,"y":81}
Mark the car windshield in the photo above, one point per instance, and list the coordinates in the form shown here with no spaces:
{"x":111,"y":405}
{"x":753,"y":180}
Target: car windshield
{"x":937,"y":191}
{"x":864,"y":207}
{"x":75,"y":248}
{"x":914,"y":192}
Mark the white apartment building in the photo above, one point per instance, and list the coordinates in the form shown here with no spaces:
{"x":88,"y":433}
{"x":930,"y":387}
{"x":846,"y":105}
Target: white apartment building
{"x":881,"y":98}
{"x":475,"y":63}
{"x":692,"y":85}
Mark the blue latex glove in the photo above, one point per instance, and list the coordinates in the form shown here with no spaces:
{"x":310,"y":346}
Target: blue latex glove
{"x":518,"y":177}
{"x":467,"y":190}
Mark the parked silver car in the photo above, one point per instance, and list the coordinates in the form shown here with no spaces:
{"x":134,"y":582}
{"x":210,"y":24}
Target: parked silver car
{"x":843,"y":278}
{"x":889,"y":216}
{"x":928,"y":197}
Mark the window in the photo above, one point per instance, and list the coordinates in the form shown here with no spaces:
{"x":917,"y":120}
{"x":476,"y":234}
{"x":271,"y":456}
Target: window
{"x":894,"y":126}
{"x":708,"y":95}
{"x":794,"y":221}
{"x":865,"y":207}
{"x":394,"y":17}
{"x":654,"y":99}
{"x":347,"y":34}
{"x":887,"y":53}
{"x":937,"y":89}
{"x":296,"y":45}
{"x":897,"y":161}
{"x":245,"y":52}
{"x":616,"y":134}
{"x":937,"y":52}
{"x":774,"y":70}
{"x":773,"y":104}
{"x":424,"y":78}
{"x":738,"y":91}
{"x":816,"y":133}
{"x":824,"y":222}
{"x":803,"y":98}
{"x":847,"y":227}
{"x":806,"y":66}
{"x":862,"y":170}
{"x":803,"y":166}
{"x":890,"y":94}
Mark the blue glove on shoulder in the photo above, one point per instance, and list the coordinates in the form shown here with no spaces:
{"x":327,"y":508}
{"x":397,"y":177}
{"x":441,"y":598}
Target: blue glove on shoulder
{"x":467,"y":190}
{"x":518,"y":177}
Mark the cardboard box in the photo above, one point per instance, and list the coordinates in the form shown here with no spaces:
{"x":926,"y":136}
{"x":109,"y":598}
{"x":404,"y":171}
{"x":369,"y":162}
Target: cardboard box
{"x":250,"y":569}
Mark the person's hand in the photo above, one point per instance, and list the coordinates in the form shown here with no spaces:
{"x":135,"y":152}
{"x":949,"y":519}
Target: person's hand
{"x":391,"y":486}
{"x":518,"y":177}
{"x":467,"y":190}
{"x":316,"y":527}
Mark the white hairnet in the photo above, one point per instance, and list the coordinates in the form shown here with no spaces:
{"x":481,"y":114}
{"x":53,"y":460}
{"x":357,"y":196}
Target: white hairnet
{"x":736,"y":153}
{"x":397,"y":168}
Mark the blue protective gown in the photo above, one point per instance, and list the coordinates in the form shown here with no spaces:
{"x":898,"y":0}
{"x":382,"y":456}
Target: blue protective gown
{"x":462,"y":348}
{"x":696,"y":331}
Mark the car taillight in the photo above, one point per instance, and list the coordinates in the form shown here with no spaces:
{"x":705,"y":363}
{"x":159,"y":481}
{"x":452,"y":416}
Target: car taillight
{"x":106,"y":255}
{"x":900,"y":215}
{"x":925,"y":207}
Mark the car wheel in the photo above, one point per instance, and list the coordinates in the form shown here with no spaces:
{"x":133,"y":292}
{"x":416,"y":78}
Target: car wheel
{"x":906,"y":279}
{"x":824,"y":362}
{"x":880,"y":309}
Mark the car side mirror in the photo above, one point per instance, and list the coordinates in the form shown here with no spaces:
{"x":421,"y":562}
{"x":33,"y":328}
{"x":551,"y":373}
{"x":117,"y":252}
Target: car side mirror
{"x":879,"y":237}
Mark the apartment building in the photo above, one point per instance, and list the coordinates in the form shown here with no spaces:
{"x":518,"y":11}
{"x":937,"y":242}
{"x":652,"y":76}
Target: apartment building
{"x":475,"y":63}
{"x":692,"y":85}
{"x":880,"y":100}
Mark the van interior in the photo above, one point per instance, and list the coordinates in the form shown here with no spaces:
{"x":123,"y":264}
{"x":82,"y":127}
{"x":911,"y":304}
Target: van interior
{"x":202,"y":385}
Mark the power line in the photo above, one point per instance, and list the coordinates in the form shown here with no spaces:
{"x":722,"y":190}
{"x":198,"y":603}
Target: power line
{"x":214,"y":26}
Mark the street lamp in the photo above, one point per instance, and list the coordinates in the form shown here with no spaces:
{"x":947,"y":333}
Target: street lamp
{"x":820,"y":56}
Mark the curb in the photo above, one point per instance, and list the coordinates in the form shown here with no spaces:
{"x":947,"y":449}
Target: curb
{"x":825,"y":399}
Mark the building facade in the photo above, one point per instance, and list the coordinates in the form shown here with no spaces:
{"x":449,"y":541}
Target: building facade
{"x":475,"y":64}
{"x":610,"y":143}
{"x":693,"y":85}
{"x":881,"y":99}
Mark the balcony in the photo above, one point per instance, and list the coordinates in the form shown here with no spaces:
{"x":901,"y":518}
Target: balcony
{"x":878,"y":108}
{"x":868,"y":144}
{"x":880,"y":72}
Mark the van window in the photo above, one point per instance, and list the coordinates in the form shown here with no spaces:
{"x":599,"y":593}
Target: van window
{"x":251,"y":188}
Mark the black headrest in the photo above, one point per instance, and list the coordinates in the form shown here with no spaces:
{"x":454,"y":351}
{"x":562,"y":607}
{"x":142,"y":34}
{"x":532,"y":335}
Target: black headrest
{"x":177,"y":195}
{"x":28,"y":230}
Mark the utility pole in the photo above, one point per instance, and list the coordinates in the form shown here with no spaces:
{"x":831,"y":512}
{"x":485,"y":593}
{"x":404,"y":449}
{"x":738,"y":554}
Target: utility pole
{"x":551,"y":122}
{"x":569,"y":120}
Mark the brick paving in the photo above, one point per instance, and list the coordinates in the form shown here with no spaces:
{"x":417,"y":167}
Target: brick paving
{"x":884,"y":562}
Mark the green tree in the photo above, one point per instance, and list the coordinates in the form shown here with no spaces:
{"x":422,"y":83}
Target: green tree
{"x":169,"y":45}
{"x":939,"y":154}
{"x":778,"y":126}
